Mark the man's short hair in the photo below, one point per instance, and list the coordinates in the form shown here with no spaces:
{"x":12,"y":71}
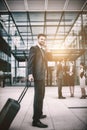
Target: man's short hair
{"x":41,"y":34}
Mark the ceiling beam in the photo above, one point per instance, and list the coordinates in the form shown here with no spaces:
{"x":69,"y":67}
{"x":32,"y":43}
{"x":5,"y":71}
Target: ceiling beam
{"x":5,"y":2}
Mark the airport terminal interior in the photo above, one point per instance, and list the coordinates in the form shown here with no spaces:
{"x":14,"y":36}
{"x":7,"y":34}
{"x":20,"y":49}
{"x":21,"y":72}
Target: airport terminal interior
{"x":65,"y":24}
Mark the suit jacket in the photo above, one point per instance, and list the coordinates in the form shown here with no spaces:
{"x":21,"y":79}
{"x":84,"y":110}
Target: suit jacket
{"x":59,"y":73}
{"x":36,"y":63}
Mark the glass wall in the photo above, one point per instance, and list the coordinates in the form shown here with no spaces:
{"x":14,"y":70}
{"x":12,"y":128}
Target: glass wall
{"x":65,"y":30}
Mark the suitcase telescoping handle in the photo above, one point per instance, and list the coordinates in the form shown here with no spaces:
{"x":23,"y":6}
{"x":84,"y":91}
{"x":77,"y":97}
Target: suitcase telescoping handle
{"x":28,"y":83}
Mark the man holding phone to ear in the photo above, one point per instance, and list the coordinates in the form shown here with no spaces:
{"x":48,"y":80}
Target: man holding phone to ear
{"x":36,"y":72}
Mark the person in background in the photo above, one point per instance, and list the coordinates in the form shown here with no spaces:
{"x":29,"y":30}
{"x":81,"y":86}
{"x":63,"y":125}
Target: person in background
{"x":59,"y":76}
{"x":36,"y":71}
{"x":71,"y":78}
{"x":82,"y":81}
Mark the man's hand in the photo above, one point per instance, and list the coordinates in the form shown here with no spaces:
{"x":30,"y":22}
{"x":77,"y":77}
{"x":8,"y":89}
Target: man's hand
{"x":30,"y":77}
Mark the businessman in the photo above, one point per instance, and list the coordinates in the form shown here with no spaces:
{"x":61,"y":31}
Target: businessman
{"x":36,"y":72}
{"x":59,"y":75}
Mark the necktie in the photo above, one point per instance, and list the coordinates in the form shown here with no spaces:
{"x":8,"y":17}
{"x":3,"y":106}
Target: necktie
{"x":42,"y":51}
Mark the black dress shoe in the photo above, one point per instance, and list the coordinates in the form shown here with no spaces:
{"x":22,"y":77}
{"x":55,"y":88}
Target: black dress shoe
{"x":61,"y":97}
{"x":39,"y":124}
{"x":43,"y":116}
{"x":72,"y":95}
{"x":82,"y":97}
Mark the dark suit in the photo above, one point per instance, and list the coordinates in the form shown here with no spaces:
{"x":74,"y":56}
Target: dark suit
{"x":59,"y":79}
{"x":36,"y":66}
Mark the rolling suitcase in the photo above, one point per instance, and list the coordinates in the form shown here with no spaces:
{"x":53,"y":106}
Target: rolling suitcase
{"x":10,"y":110}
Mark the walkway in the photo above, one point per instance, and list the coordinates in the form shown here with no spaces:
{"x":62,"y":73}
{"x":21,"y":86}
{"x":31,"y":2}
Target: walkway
{"x":62,"y":114}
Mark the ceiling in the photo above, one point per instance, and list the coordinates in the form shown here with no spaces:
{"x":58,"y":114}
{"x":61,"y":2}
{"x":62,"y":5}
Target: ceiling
{"x":60,"y":20}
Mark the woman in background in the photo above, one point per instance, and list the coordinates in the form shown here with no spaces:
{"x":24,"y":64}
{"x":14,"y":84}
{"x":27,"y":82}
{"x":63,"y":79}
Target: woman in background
{"x":82,"y":81}
{"x":71,"y":78}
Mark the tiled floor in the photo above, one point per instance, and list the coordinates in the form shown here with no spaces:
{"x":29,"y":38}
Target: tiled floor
{"x":62,"y":114}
